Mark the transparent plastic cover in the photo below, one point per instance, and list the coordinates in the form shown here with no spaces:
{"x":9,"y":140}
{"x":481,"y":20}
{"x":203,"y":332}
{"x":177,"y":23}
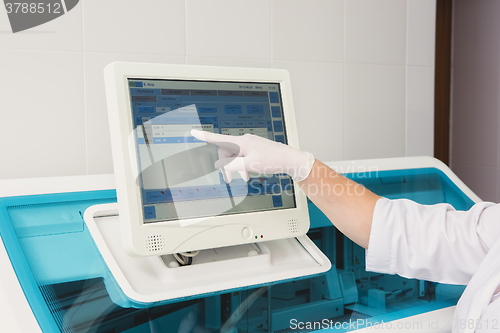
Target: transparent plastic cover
{"x":176,"y":171}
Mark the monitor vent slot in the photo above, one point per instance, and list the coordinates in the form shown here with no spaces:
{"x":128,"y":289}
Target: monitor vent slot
{"x":293,"y":226}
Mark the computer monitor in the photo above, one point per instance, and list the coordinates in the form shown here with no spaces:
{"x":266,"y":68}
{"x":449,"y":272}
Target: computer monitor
{"x":171,"y":198}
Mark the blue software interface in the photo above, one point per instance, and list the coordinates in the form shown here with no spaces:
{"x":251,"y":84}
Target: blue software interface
{"x":176,"y":171}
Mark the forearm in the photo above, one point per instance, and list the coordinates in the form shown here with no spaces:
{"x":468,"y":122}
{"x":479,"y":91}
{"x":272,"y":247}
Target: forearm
{"x":348,"y":205}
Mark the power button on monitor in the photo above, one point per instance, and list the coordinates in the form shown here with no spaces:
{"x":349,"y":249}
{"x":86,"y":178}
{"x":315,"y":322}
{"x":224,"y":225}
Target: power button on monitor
{"x":246,"y":233}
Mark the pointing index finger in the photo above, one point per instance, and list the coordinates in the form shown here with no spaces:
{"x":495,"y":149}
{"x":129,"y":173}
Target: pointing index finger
{"x":213,"y":137}
{"x":224,"y":141}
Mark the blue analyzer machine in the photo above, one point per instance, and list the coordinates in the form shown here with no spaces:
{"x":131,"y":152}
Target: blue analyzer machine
{"x":54,"y":278}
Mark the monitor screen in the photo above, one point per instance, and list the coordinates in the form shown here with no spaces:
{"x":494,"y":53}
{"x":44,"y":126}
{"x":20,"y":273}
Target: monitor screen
{"x":176,"y":171}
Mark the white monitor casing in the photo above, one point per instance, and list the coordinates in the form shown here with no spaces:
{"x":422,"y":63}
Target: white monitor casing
{"x":159,"y":238}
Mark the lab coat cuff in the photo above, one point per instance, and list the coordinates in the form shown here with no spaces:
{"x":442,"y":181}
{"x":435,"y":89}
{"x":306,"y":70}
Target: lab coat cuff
{"x":379,"y":256}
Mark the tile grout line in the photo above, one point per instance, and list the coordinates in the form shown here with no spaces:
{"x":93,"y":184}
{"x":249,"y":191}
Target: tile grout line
{"x":85,"y":119}
{"x":185,"y":33}
{"x":271,"y":30}
{"x":344,"y":65}
{"x":407,"y":80}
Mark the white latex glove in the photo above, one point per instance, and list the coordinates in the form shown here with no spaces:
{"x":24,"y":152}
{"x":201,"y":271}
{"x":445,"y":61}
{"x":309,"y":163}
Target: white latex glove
{"x":251,"y":153}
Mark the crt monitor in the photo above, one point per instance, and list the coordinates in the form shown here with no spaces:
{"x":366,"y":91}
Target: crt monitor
{"x":171,"y":198}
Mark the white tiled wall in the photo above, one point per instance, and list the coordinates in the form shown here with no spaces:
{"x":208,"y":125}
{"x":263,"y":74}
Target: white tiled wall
{"x":362,"y":73}
{"x":475,"y":127}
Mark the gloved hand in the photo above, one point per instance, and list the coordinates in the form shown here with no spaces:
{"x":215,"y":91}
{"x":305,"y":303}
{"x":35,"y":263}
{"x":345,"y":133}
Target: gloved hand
{"x":251,"y":153}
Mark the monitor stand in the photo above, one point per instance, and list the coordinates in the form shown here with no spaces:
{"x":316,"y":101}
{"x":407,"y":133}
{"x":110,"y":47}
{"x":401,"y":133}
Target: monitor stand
{"x":141,"y":282}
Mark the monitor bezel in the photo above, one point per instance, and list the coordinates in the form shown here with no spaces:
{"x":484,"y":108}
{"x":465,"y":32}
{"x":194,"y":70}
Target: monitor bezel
{"x":148,"y":239}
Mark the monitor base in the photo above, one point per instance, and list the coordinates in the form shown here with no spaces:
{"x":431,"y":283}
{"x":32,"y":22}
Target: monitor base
{"x":139,"y":282}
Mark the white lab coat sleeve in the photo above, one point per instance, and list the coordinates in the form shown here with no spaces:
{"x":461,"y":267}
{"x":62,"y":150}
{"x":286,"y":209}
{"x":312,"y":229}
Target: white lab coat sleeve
{"x":435,"y":243}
